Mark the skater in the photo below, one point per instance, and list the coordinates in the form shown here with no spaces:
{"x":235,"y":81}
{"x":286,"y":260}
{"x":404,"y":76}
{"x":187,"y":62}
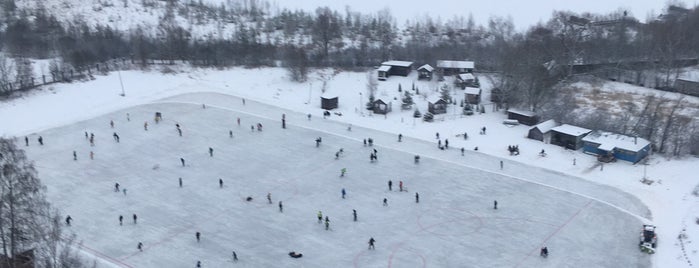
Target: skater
{"x":281,"y":207}
{"x":92,"y":140}
{"x":385,"y":202}
{"x":390,"y":184}
{"x":116,"y":187}
{"x":465,"y":136}
{"x":243,"y":101}
{"x":320,"y":216}
{"x":370,"y":141}
{"x":179,"y":132}
{"x":269,"y":198}
{"x":92,"y":155}
{"x":343,"y":171}
{"x":343,"y":193}
{"x":349,"y":127}
{"x":327,"y":223}
{"x":462,"y":151}
{"x":41,"y":140}
{"x":26,"y":140}
{"x":121,"y":219}
{"x":238,"y":121}
{"x":235,"y":257}
{"x":182,"y":160}
{"x":309,"y":117}
{"x":135,"y":218}
{"x":145,"y":126}
{"x":140,"y":246}
{"x":354,"y":214}
{"x":128,"y":117}
{"x":337,"y":155}
{"x":544,"y":252}
{"x":180,"y":180}
{"x":400,"y":137}
{"x":364,"y":142}
{"x":318,"y":140}
{"x":439,"y":144}
{"x":371,"y":243}
{"x":75,"y":156}
{"x":230,"y":133}
{"x":495,"y":204}
{"x":220,"y":183}
{"x":123,"y":191}
{"x":436,"y":135}
{"x":483,"y":130}
{"x":446,"y":143}
{"x":199,"y":262}
{"x":116,"y":137}
{"x":68,"y":219}
{"x":198,"y":235}
{"x":259,"y":127}
{"x":400,"y":186}
{"x":417,"y":197}
{"x":501,"y":164}
{"x":211,"y":152}
{"x":111,"y":123}
{"x":417,"y":159}
{"x":283,"y":123}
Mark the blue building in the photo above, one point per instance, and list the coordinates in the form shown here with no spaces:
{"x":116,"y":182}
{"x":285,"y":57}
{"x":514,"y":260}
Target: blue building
{"x":632,"y":149}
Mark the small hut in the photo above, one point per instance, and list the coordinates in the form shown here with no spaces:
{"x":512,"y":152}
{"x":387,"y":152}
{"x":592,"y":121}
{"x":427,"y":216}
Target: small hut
{"x":568,"y":136}
{"x":328,"y":102}
{"x":472,"y":95}
{"x":524,"y":117}
{"x":632,"y":149}
{"x":542,"y":131}
{"x":380,"y":107}
{"x":465,"y":80}
{"x":437,"y":105}
{"x":424,"y":72}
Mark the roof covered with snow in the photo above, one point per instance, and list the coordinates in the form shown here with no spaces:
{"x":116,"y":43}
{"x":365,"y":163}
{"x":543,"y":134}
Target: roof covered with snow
{"x":571,"y":130}
{"x":466,"y":76}
{"x":521,"y":112}
{"x":426,"y":67}
{"x":397,"y":63}
{"x":435,"y":99}
{"x":546,"y":126}
{"x":608,"y":141}
{"x":455,"y":64}
{"x":384,"y":68}
{"x":472,"y":90}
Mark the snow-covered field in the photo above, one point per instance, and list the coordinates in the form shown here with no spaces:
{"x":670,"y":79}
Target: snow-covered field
{"x":543,"y":200}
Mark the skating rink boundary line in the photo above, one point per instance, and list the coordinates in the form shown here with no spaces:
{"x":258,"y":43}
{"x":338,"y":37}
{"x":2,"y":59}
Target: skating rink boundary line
{"x":643,"y":219}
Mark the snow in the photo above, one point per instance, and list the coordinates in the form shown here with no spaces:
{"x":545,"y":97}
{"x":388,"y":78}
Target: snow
{"x":580,"y":211}
{"x":426,"y":67}
{"x":384,"y":68}
{"x":571,"y":130}
{"x":609,"y":141}
{"x":466,"y":76}
{"x":546,"y":126}
{"x":472,"y":90}
{"x":455,"y":64}
{"x":397,"y":63}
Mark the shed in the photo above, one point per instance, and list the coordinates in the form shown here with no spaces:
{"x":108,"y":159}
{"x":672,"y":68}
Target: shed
{"x":424,"y":72}
{"x":383,"y":72}
{"x":472,"y":95}
{"x":465,"y":80}
{"x":687,"y":86}
{"x":398,"y":67}
{"x":568,"y":136}
{"x":524,"y":117}
{"x":437,"y":105}
{"x":542,"y":131}
{"x":380,"y":107}
{"x":328,"y":102}
{"x":453,"y":67}
{"x":632,"y":149}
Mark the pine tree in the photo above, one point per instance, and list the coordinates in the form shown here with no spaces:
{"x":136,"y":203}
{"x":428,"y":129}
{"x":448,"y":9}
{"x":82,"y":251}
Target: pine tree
{"x":444,"y":91}
{"x":417,"y":113}
{"x":407,"y":101}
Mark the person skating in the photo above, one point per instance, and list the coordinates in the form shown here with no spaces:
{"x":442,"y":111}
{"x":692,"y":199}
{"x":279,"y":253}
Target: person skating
{"x":327,"y":223}
{"x":269,"y":198}
{"x":343,"y":193}
{"x":111,"y":123}
{"x":371,"y":243}
{"x":495,"y":204}
{"x":343,"y":171}
{"x":230,"y":133}
{"x":220,"y":183}
{"x":446,"y":143}
{"x":41,"y":140}
{"x":121,"y":219}
{"x":390,"y":184}
{"x":462,"y":151}
{"x":544,"y":252}
{"x":354,"y":214}
{"x":417,"y":159}
{"x":211,"y":152}
{"x":26,"y":140}
{"x":199,"y":262}
{"x":182,"y":161}
{"x":123,"y":191}
{"x":75,"y":156}
{"x":385,"y":202}
{"x":417,"y":197}
{"x":135,"y":218}
{"x":400,"y":186}
{"x":400,"y":137}
{"x":501,"y":165}
{"x":116,"y":137}
{"x":198,"y":235}
{"x":145,"y":126}
{"x":320,"y":216}
{"x":92,"y":155}
{"x":116,"y":187}
{"x":281,"y":207}
{"x":318,"y":140}
{"x":235,"y":257}
{"x":68,"y":220}
{"x":140,"y":246}
{"x":337,"y":155}
{"x":180,"y":182}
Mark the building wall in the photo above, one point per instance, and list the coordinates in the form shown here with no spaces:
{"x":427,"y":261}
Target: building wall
{"x":567,"y":141}
{"x":535,"y":134}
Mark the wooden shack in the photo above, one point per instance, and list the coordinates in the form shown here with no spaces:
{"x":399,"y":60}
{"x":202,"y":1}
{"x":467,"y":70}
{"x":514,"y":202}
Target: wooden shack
{"x":524,"y":117}
{"x":328,"y":102}
{"x":542,"y":131}
{"x":472,"y":95}
{"x":437,"y":105}
{"x":568,"y":136}
{"x":381,"y":107}
{"x":424,"y":72}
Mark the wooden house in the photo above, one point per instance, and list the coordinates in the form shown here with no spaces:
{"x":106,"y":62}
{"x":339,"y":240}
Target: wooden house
{"x":472,"y":95}
{"x":524,"y":117}
{"x":437,"y":105}
{"x":381,"y":107}
{"x":632,"y":149}
{"x":453,"y":67}
{"x":542,"y":131}
{"x":568,"y":136}
{"x":465,"y":80}
{"x":328,"y":102}
{"x":424,"y":72}
{"x":687,"y":86}
{"x":394,"y":67}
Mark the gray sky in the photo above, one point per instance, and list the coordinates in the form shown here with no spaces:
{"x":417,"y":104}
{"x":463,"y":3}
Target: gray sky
{"x":523,"y":12}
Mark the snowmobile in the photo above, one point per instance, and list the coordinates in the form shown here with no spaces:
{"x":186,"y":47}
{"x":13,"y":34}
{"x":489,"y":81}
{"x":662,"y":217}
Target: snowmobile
{"x":648,"y":239}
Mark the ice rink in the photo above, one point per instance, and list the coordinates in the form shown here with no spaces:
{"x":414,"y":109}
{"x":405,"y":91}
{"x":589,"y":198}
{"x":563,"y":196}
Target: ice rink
{"x":454,"y":225}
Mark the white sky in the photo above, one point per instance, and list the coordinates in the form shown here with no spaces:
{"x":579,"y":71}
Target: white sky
{"x":523,"y":13}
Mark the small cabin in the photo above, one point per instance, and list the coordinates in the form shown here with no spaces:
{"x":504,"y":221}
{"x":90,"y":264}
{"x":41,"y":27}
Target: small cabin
{"x":472,"y":95}
{"x":424,"y":72}
{"x":453,"y":67}
{"x":568,"y":136}
{"x":383,"y":72}
{"x":465,"y":80}
{"x":437,"y":105}
{"x":394,"y":67}
{"x":524,"y":117}
{"x":380,"y":107}
{"x":328,"y":102}
{"x":542,"y":131}
{"x":632,"y":149}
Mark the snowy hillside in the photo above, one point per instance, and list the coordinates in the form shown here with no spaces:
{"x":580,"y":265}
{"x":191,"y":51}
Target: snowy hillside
{"x":454,"y":189}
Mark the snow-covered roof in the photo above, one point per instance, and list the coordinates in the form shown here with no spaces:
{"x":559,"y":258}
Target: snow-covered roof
{"x":397,"y":63}
{"x":384,"y":68}
{"x":466,"y":76}
{"x":455,"y":64}
{"x":521,"y":112}
{"x":571,"y":130}
{"x":546,"y":126}
{"x":608,"y":141}
{"x":472,"y":90}
{"x":434,"y":98}
{"x":426,"y":67}
{"x":327,"y":95}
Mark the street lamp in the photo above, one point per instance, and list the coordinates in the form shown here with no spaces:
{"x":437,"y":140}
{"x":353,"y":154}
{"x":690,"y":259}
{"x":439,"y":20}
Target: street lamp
{"x":360,"y":103}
